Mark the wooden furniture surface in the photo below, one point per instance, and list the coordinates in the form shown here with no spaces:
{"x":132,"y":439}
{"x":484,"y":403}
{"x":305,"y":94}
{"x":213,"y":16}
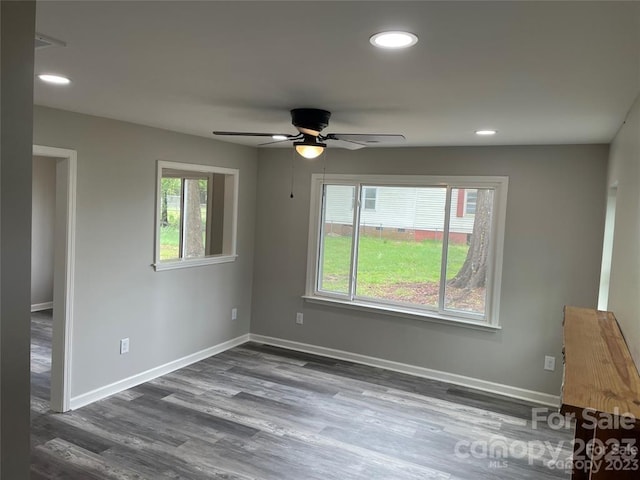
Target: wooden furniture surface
{"x":599,"y":372}
{"x":600,"y":382}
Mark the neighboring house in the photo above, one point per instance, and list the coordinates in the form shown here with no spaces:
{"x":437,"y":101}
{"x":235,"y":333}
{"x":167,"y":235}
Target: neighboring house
{"x":402,"y":212}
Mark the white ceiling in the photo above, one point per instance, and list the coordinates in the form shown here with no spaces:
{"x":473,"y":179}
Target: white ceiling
{"x":539,"y":72}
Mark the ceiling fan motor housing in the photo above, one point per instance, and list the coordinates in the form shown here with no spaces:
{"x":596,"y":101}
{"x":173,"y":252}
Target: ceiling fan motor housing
{"x":308,"y":120}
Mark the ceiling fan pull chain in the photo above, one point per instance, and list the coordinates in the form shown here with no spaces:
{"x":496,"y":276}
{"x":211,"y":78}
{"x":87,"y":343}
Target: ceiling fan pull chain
{"x":324,"y":165}
{"x":293,"y":154}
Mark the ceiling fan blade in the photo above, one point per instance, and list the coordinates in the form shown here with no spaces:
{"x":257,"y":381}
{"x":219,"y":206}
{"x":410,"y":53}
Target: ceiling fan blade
{"x":367,"y":139}
{"x":253,"y":134}
{"x":348,"y":144}
{"x":292,"y":137}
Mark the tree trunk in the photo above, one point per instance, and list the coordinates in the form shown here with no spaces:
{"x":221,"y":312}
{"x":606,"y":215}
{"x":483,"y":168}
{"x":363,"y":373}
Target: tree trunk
{"x":473,"y":273}
{"x":194,"y":245}
{"x":165,"y":217}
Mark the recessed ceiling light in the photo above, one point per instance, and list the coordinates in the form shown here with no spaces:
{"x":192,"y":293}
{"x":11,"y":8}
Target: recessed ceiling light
{"x":486,"y":132}
{"x":279,"y":137}
{"x":55,"y":79}
{"x":393,"y":40}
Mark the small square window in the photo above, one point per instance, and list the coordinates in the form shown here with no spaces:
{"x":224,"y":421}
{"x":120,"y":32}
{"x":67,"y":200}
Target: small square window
{"x":471,"y":201}
{"x":197,"y":209}
{"x":370,"y":195}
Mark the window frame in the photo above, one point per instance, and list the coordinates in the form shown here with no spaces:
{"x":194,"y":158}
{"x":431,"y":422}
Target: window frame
{"x":230,"y":221}
{"x":183,"y":176}
{"x":490,"y":320}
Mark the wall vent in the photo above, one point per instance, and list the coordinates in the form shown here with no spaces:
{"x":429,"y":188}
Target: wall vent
{"x":43,"y":41}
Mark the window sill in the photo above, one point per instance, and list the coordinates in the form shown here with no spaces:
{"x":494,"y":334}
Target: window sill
{"x":193,"y":262}
{"x":404,"y":313}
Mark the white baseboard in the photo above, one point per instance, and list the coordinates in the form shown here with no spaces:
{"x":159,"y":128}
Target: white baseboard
{"x":107,"y":390}
{"x":491,"y":387}
{"x":36,"y":307}
{"x":497,"y":388}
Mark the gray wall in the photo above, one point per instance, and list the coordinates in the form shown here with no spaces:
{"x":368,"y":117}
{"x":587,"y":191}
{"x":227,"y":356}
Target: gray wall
{"x":16,"y":96}
{"x":43,"y":216}
{"x":169,"y":314}
{"x":624,"y":283}
{"x":553,"y":241}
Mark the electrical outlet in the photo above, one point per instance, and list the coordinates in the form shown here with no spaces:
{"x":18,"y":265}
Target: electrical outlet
{"x":299,"y":318}
{"x":124,"y":346}
{"x":549,"y":363}
{"x":234,"y":313}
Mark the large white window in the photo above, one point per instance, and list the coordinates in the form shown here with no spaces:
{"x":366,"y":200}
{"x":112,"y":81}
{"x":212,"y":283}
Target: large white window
{"x":196,"y":215}
{"x":411,"y":254}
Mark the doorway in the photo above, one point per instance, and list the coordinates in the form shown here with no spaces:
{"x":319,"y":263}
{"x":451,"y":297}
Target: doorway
{"x":607,"y":248}
{"x":63,"y":273}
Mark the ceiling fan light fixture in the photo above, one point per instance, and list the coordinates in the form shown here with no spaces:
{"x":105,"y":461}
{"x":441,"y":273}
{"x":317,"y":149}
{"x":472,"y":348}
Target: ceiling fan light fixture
{"x":309,"y":148}
{"x":393,"y":40}
{"x":279,"y":137}
{"x":309,"y":151}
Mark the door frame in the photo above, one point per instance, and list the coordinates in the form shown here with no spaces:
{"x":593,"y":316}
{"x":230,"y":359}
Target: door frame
{"x":63,"y":273}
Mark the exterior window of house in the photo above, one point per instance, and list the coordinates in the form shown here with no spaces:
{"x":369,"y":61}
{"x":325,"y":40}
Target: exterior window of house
{"x":370,"y":195}
{"x":196,"y":215}
{"x":470,"y":202}
{"x":447,"y":268}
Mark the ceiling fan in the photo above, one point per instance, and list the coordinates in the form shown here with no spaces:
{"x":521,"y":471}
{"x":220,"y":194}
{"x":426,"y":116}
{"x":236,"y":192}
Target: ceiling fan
{"x":309,"y":142}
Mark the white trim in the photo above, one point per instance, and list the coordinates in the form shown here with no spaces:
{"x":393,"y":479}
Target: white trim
{"x":314,"y":240}
{"x":461,"y":380}
{"x":355,"y":241}
{"x":462,"y":181}
{"x":494,"y":273}
{"x":444,"y":263}
{"x":64,"y":275}
{"x":38,"y":307}
{"x":134,"y":380}
{"x":193,"y":167}
{"x":235,"y":180}
{"x":193,"y":262}
{"x":397,"y":311}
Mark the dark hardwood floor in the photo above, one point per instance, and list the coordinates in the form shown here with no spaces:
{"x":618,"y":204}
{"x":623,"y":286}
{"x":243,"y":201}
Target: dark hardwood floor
{"x":257,"y":412}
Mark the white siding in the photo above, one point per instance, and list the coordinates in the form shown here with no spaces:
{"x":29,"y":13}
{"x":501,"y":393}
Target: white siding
{"x":395,"y":208}
{"x":462,"y":224}
{"x":339,"y":204}
{"x":398,"y":207}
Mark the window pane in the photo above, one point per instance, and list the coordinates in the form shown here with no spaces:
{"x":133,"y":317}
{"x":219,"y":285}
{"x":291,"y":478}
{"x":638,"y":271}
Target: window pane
{"x":337,"y":236}
{"x":195,"y":221}
{"x":400,"y":245}
{"x":170,"y":193}
{"x":468,"y":252}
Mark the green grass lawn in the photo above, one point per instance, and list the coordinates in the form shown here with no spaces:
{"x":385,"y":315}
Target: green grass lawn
{"x":170,"y":235}
{"x":169,"y":242}
{"x":384,"y":262}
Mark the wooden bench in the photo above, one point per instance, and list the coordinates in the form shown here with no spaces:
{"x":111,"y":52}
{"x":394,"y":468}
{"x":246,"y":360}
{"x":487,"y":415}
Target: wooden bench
{"x":601,"y":387}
